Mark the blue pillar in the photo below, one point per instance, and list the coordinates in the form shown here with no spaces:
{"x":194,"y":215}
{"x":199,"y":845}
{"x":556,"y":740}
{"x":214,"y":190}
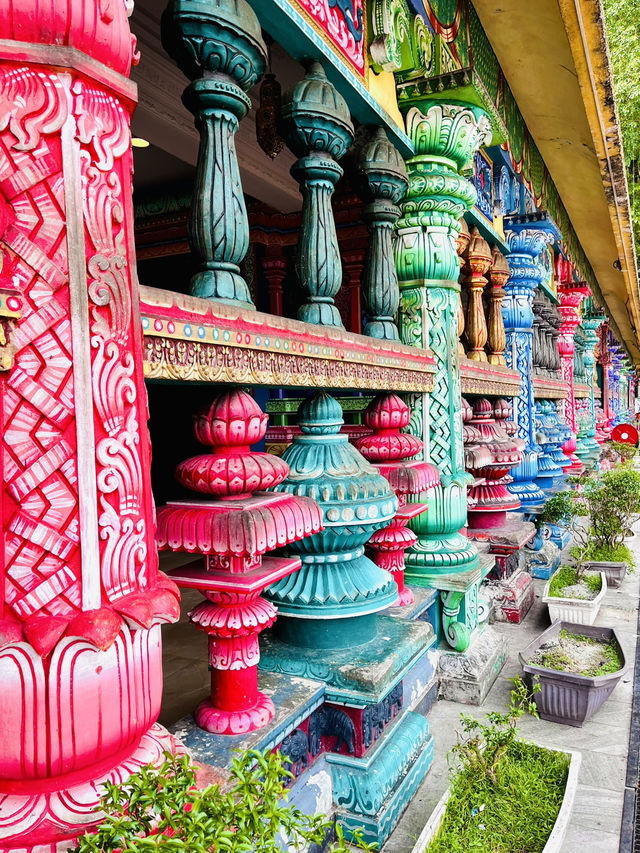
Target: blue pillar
{"x":527,"y":237}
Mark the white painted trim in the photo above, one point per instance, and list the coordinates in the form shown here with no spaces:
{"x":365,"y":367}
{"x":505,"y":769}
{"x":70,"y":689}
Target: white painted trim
{"x":83,"y":395}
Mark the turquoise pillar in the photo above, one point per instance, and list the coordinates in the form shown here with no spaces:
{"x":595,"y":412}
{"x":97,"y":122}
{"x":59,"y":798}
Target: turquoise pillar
{"x":318,"y":130}
{"x":445,"y":137}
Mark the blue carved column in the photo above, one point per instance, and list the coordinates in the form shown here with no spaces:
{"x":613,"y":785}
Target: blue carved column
{"x":319,"y":132}
{"x":526,"y":238}
{"x":219,"y":47}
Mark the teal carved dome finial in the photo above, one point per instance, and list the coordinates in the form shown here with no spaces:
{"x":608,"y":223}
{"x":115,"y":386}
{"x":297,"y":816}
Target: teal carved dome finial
{"x":320,"y":414}
{"x":337,"y":581}
{"x":316,"y":116}
{"x":383,"y":168}
{"x":207,"y":37}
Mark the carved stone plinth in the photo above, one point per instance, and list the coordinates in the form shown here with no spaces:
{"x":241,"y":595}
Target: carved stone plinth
{"x":542,"y":554}
{"x":512,"y":598}
{"x":233,"y":526}
{"x":468,"y":677}
{"x":388,"y":449}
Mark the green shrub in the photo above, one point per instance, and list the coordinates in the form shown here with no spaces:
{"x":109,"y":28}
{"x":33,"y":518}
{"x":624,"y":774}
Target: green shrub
{"x":161,"y":808}
{"x":557,"y":510}
{"x":608,"y":554}
{"x":614,"y":505}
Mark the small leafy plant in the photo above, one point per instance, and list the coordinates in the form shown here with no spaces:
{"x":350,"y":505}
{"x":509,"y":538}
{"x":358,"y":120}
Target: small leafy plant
{"x":505,"y":793}
{"x":558,"y":509}
{"x":614,"y":505}
{"x":162,"y":808}
{"x":627,"y":452}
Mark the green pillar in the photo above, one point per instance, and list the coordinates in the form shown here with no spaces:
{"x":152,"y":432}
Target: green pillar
{"x":445,"y":137}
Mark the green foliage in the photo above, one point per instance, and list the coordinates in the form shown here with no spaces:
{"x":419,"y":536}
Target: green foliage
{"x":571,"y":575}
{"x":614,"y":504}
{"x":623,"y":29}
{"x":558,"y":509}
{"x":608,"y":554}
{"x":593,"y":581}
{"x":626,"y":451}
{"x":163,"y":809}
{"x":505,"y":793}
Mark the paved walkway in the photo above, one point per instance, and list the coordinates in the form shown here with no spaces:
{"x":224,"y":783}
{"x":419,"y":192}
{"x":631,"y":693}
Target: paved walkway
{"x":595,"y":825}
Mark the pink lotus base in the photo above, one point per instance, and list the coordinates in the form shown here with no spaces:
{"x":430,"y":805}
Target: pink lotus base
{"x":50,"y":821}
{"x":237,"y":722}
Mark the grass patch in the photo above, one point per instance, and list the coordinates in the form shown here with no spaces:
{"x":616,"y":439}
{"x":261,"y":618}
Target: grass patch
{"x":606,"y":658}
{"x":594,"y":582}
{"x":567,"y":576}
{"x":607,"y":554}
{"x":515,"y":814}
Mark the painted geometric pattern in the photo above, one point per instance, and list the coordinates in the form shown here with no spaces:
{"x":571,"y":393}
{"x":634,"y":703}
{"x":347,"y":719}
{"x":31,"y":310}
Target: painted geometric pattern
{"x":42,"y":557}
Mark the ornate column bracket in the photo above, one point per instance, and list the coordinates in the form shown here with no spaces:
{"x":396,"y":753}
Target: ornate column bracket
{"x":318,"y":131}
{"x":497,"y":337}
{"x":527,"y":237}
{"x":385,"y":182}
{"x":219,"y":47}
{"x":477,"y":262}
{"x":571,"y":296}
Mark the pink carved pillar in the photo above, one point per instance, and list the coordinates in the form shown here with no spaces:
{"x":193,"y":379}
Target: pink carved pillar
{"x":80,"y":650}
{"x":390,"y":451}
{"x":571,"y":296}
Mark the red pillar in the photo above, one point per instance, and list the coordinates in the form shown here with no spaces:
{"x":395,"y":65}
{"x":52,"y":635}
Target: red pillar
{"x":80,"y":653}
{"x":571,"y":296}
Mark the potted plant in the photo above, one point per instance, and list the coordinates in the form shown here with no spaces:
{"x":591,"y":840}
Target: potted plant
{"x":489,"y":807}
{"x":574,"y":594}
{"x":613,"y":504}
{"x":163,"y":808}
{"x":576,"y":668}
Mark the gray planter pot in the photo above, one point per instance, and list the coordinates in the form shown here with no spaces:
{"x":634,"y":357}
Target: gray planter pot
{"x":565,"y":697}
{"x":614,"y":572}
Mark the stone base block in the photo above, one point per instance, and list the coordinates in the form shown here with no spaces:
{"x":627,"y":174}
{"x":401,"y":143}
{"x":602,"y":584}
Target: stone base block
{"x":359,"y":675}
{"x":372,"y":792}
{"x":511,"y":599}
{"x":467,"y":676}
{"x":295,"y":699}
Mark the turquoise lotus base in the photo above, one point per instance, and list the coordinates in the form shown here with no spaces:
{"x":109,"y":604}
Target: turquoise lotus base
{"x":372,"y":792}
{"x":359,"y":674}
